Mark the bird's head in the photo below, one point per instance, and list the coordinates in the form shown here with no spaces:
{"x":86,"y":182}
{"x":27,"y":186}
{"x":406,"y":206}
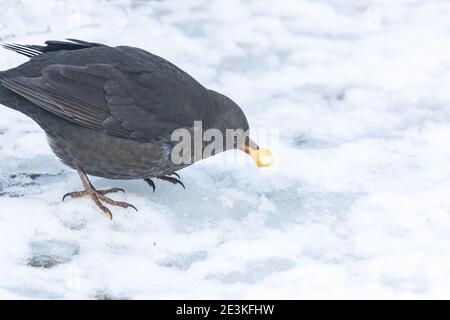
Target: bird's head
{"x":231,"y":118}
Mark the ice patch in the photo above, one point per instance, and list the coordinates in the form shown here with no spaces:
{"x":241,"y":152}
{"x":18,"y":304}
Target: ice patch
{"x":257,"y":270}
{"x":49,"y":253}
{"x":184,"y":261}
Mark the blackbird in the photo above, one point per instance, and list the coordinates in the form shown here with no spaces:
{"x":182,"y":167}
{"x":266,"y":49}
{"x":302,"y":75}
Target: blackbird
{"x":110,"y":111}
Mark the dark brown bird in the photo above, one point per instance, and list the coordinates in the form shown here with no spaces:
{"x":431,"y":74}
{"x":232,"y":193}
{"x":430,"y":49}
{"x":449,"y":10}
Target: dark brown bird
{"x":110,"y":111}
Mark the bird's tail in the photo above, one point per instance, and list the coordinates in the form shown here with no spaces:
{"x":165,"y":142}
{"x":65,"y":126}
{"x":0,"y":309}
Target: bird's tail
{"x":50,"y":46}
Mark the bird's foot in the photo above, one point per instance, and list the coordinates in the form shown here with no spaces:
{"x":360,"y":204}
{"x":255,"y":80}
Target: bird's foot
{"x":98,"y":196}
{"x":79,"y":194}
{"x":172,"y":179}
{"x":168,"y":178}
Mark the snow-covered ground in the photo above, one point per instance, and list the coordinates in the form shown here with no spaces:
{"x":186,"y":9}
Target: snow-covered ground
{"x":357,"y":206}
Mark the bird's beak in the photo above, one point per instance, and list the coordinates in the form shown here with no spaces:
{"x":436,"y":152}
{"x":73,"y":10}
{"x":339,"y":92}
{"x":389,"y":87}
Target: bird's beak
{"x":262,"y":157}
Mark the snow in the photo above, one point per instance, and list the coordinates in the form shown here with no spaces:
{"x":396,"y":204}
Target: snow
{"x":354,"y":96}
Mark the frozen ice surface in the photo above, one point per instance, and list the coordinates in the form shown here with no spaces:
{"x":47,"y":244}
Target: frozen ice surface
{"x":357,"y":205}
{"x":47,"y":254}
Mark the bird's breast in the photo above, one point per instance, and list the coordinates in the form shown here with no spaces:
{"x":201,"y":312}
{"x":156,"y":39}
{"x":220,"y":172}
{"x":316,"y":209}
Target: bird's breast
{"x":103,"y":155}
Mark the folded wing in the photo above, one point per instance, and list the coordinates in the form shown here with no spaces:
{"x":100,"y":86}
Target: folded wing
{"x":140,"y":105}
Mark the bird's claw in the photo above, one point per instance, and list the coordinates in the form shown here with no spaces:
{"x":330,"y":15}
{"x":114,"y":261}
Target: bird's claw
{"x":172,"y":180}
{"x":150,"y":183}
{"x":166,"y":178}
{"x":174,"y":174}
{"x":74,"y":194}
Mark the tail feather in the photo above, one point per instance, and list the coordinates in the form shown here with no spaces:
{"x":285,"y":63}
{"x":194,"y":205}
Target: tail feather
{"x":51,"y":45}
{"x":22,"y":49}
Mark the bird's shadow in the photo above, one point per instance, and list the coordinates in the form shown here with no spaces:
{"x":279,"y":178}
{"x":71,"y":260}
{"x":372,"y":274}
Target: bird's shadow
{"x":195,"y":207}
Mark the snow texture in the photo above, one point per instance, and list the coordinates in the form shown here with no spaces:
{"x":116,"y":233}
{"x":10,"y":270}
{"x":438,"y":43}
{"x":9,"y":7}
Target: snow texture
{"x":357,"y":205}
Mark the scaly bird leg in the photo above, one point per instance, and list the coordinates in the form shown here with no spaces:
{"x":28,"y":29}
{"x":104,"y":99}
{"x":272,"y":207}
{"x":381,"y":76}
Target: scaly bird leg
{"x":98,"y":195}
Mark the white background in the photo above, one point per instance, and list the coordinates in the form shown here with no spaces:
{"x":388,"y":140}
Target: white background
{"x":357,"y":206}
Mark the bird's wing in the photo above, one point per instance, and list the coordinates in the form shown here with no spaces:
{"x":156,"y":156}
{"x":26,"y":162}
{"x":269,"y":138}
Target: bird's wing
{"x":140,"y":105}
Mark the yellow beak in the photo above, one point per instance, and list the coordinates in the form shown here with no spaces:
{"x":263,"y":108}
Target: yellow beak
{"x":262,"y":157}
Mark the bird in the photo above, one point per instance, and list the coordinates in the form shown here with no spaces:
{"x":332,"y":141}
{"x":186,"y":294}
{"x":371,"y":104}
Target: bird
{"x":110,"y":112}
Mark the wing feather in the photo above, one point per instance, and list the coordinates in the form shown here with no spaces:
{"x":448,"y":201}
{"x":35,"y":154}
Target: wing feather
{"x":144,"y":106}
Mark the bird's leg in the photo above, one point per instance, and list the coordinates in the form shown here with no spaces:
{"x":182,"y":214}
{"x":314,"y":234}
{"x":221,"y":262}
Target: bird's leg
{"x":97,"y":195}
